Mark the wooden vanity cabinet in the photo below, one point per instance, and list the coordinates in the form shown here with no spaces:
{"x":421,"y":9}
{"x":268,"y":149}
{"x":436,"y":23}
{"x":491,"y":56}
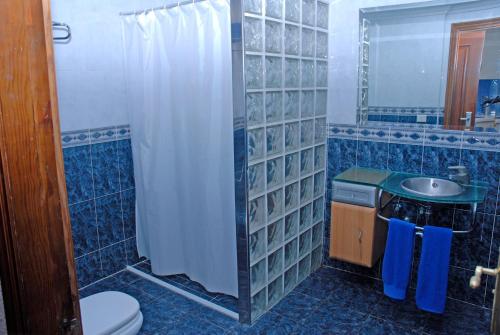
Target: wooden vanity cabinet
{"x":356,"y":234}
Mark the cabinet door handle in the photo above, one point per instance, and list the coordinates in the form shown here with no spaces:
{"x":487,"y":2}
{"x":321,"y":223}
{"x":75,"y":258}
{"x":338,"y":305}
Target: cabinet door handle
{"x":360,"y":235}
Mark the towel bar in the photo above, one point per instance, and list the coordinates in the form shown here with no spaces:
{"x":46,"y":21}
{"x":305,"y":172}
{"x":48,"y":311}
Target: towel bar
{"x":418,"y":229}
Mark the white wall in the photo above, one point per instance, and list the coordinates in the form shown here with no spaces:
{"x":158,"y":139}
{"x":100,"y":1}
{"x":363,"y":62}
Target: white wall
{"x":89,"y":69}
{"x":490,"y":66}
{"x":344,"y":50}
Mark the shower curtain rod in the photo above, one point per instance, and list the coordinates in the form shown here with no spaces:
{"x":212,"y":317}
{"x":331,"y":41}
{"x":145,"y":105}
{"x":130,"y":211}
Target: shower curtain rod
{"x":142,"y":11}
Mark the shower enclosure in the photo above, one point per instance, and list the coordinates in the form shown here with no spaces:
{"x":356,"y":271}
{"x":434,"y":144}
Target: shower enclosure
{"x":178,"y":74}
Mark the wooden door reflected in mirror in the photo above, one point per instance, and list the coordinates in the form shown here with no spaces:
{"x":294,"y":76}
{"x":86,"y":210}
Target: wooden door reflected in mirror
{"x":472,"y":92}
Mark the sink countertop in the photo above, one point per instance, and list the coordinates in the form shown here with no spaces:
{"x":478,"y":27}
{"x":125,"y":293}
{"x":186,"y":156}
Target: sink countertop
{"x":363,"y":176}
{"x":391,"y":183}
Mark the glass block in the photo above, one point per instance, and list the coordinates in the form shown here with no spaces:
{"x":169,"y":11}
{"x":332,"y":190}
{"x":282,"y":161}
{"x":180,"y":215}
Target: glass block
{"x":306,"y":189}
{"x":257,"y":244}
{"x":321,"y":103}
{"x":274,"y":204}
{"x":292,"y":165}
{"x":292,"y":136}
{"x":321,"y":45}
{"x":273,"y":36}
{"x":255,"y":110}
{"x":307,"y":42}
{"x":366,"y":54}
{"x":274,"y":140}
{"x":257,"y":213}
{"x":292,"y":10}
{"x":319,"y":157}
{"x":321,"y":74}
{"x":274,"y":106}
{"x":319,"y":130}
{"x":253,"y":34}
{"x":307,"y":104}
{"x":275,"y":263}
{"x":291,"y":105}
{"x":306,"y":161}
{"x":305,"y":220}
{"x":291,"y":196}
{"x":256,"y":144}
{"x":254,"y":72}
{"x":308,"y":12}
{"x":274,"y":8}
{"x":364,"y":97}
{"x":291,"y":225}
{"x":292,"y":73}
{"x":253,"y":6}
{"x":275,"y":291}
{"x":317,"y":234}
{"x":258,"y":276}
{"x":273,"y":72}
{"x":291,"y":252}
{"x":259,"y":303}
{"x":274,"y":172}
{"x":319,"y":183}
{"x":256,"y":179}
{"x":274,"y":234}
{"x":322,"y":15}
{"x":307,"y":69}
{"x":290,"y":279}
{"x":304,"y":268}
{"x":318,"y":212}
{"x":306,"y":133}
{"x":292,"y":40}
{"x":316,"y":256}
{"x":304,"y":243}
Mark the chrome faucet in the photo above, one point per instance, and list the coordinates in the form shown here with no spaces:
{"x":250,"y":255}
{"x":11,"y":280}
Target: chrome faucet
{"x":459,"y":174}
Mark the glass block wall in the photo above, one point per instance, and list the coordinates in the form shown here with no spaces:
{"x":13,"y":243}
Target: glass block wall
{"x":286,"y":50}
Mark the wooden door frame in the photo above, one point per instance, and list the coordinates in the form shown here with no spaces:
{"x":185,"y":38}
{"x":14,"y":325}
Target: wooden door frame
{"x":456,"y":30}
{"x":37,"y":266}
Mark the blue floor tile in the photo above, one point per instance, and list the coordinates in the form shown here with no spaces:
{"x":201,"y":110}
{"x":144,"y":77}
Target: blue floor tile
{"x":328,"y":302}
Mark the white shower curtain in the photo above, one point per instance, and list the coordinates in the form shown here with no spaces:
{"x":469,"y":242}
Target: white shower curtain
{"x":179,"y":91}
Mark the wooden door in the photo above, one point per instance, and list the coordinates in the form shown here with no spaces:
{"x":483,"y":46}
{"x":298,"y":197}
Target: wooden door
{"x":464,"y":67}
{"x":36,"y":254}
{"x":464,"y":79}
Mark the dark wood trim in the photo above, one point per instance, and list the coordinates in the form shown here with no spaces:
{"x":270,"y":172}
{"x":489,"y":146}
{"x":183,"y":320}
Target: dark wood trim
{"x":36,"y":252}
{"x":456,"y":30}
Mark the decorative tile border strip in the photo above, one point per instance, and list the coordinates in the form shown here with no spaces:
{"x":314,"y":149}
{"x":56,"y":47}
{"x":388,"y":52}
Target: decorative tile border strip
{"x":238,"y":122}
{"x":431,"y":137}
{"x":439,"y":111}
{"x":97,"y":135}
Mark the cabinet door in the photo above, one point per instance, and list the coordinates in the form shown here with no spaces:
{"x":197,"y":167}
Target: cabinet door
{"x":352,"y":233}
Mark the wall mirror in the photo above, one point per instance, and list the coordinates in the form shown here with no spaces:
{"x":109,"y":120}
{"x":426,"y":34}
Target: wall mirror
{"x":434,"y":64}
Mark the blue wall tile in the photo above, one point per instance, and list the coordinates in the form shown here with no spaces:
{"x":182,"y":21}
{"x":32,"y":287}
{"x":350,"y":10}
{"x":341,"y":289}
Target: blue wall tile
{"x":437,"y":159}
{"x":78,"y":170}
{"x":128,"y":207}
{"x":105,"y":168}
{"x":483,"y":166}
{"x":88,"y":269}
{"x":109,"y":219}
{"x":372,"y":154}
{"x":84,"y":227}
{"x":126,"y":168}
{"x":405,"y":157}
{"x":100,"y":183}
{"x":113,"y":258}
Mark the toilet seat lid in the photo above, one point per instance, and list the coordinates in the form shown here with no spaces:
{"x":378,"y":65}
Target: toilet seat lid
{"x":106,"y":312}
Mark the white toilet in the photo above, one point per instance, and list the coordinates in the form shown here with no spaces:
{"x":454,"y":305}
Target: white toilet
{"x":110,"y":313}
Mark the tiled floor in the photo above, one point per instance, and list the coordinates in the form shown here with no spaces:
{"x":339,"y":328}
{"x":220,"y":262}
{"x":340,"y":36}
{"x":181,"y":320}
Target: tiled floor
{"x":183,"y":282}
{"x":328,"y":302}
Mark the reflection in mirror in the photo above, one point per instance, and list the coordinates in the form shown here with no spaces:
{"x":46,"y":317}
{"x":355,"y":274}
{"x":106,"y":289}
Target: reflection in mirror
{"x":410,"y":61}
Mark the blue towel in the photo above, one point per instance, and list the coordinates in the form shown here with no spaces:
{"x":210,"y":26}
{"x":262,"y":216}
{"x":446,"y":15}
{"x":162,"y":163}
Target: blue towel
{"x":433,"y":269}
{"x":398,"y":258}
